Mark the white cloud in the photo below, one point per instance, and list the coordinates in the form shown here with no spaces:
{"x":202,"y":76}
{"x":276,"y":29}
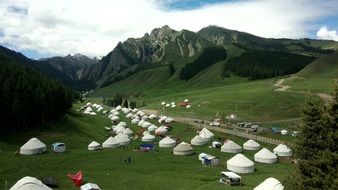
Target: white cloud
{"x":95,"y":27}
{"x":324,"y":33}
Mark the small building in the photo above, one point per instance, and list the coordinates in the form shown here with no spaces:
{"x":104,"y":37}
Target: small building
{"x":90,"y":186}
{"x":146,"y":147}
{"x":216,"y":144}
{"x":59,"y":147}
{"x":230,"y":178}
{"x":210,"y":160}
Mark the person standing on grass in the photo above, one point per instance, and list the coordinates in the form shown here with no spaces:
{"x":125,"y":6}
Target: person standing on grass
{"x":129,"y":159}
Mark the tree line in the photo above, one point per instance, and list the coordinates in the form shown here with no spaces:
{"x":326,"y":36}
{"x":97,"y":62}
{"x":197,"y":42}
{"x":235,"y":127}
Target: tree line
{"x":208,"y":57}
{"x":28,"y":98}
{"x":120,"y":100}
{"x":259,"y":64}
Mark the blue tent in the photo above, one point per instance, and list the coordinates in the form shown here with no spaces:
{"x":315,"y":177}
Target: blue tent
{"x":147,"y":147}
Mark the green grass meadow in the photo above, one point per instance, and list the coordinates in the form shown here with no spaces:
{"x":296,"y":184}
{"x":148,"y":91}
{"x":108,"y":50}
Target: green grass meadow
{"x":153,"y":170}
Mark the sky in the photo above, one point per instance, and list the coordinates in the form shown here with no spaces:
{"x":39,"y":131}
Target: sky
{"x":44,"y":28}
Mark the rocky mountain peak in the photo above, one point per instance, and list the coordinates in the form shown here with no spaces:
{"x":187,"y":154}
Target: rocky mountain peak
{"x":163,"y":32}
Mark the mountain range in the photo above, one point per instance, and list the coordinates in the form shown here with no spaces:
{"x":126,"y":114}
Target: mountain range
{"x":165,"y":51}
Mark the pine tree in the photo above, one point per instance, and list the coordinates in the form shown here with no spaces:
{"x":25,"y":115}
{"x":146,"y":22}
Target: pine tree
{"x":316,"y":150}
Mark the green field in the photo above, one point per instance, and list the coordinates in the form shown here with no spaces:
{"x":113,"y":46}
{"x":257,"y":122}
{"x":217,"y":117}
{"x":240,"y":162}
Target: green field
{"x":160,"y":169}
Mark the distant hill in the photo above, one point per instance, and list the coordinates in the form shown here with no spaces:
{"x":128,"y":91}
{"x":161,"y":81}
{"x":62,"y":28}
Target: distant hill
{"x":176,"y":53}
{"x":164,"y":47}
{"x":28,"y":98}
{"x":69,"y":70}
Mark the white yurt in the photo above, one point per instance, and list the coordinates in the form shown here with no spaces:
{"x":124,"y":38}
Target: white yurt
{"x":270,"y":184}
{"x":200,"y":156}
{"x":90,"y":186}
{"x":148,"y":138}
{"x":186,"y":100}
{"x":173,"y":106}
{"x":251,"y":145}
{"x":145,"y":117}
{"x":146,"y":124}
{"x":284,"y":132}
{"x":94,"y":146}
{"x":265,"y":156}
{"x":122,"y":139}
{"x":240,"y":164}
{"x":128,"y":132}
{"x":134,"y":110}
{"x":167,"y":105}
{"x":183,"y":149}
{"x":152,"y":116}
{"x":169,"y":120}
{"x":122,"y":124}
{"x":188,"y":106}
{"x":161,"y":130}
{"x":118,"y":107}
{"x":282,"y":150}
{"x":88,"y":104}
{"x":198,"y":141}
{"x":119,"y":129}
{"x":135,"y":120}
{"x":167,"y":142}
{"x":115,"y":118}
{"x":152,"y":127}
{"x":206,"y":134}
{"x":140,"y":123}
{"x":33,"y":146}
{"x":110,"y":143}
{"x":231,"y":147}
{"x":129,"y":115}
{"x":145,"y":133}
{"x":29,"y":183}
{"x":163,"y":103}
{"x":92,"y":113}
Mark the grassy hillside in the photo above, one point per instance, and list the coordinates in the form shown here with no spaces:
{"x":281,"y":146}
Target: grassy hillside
{"x":106,"y":168}
{"x":317,"y":76}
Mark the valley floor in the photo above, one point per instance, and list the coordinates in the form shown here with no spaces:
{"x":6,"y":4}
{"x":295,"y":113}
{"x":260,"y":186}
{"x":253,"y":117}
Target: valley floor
{"x":154,"y":170}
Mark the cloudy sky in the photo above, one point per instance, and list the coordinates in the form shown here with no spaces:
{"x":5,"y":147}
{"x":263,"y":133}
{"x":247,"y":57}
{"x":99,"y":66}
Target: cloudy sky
{"x":41,"y":28}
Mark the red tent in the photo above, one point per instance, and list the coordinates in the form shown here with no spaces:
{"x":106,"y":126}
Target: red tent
{"x":183,"y":104}
{"x":76,"y":178}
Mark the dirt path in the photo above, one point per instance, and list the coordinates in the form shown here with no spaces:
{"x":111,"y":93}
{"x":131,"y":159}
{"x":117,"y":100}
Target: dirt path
{"x":280,"y":85}
{"x":198,"y":124}
{"x":282,"y":88}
